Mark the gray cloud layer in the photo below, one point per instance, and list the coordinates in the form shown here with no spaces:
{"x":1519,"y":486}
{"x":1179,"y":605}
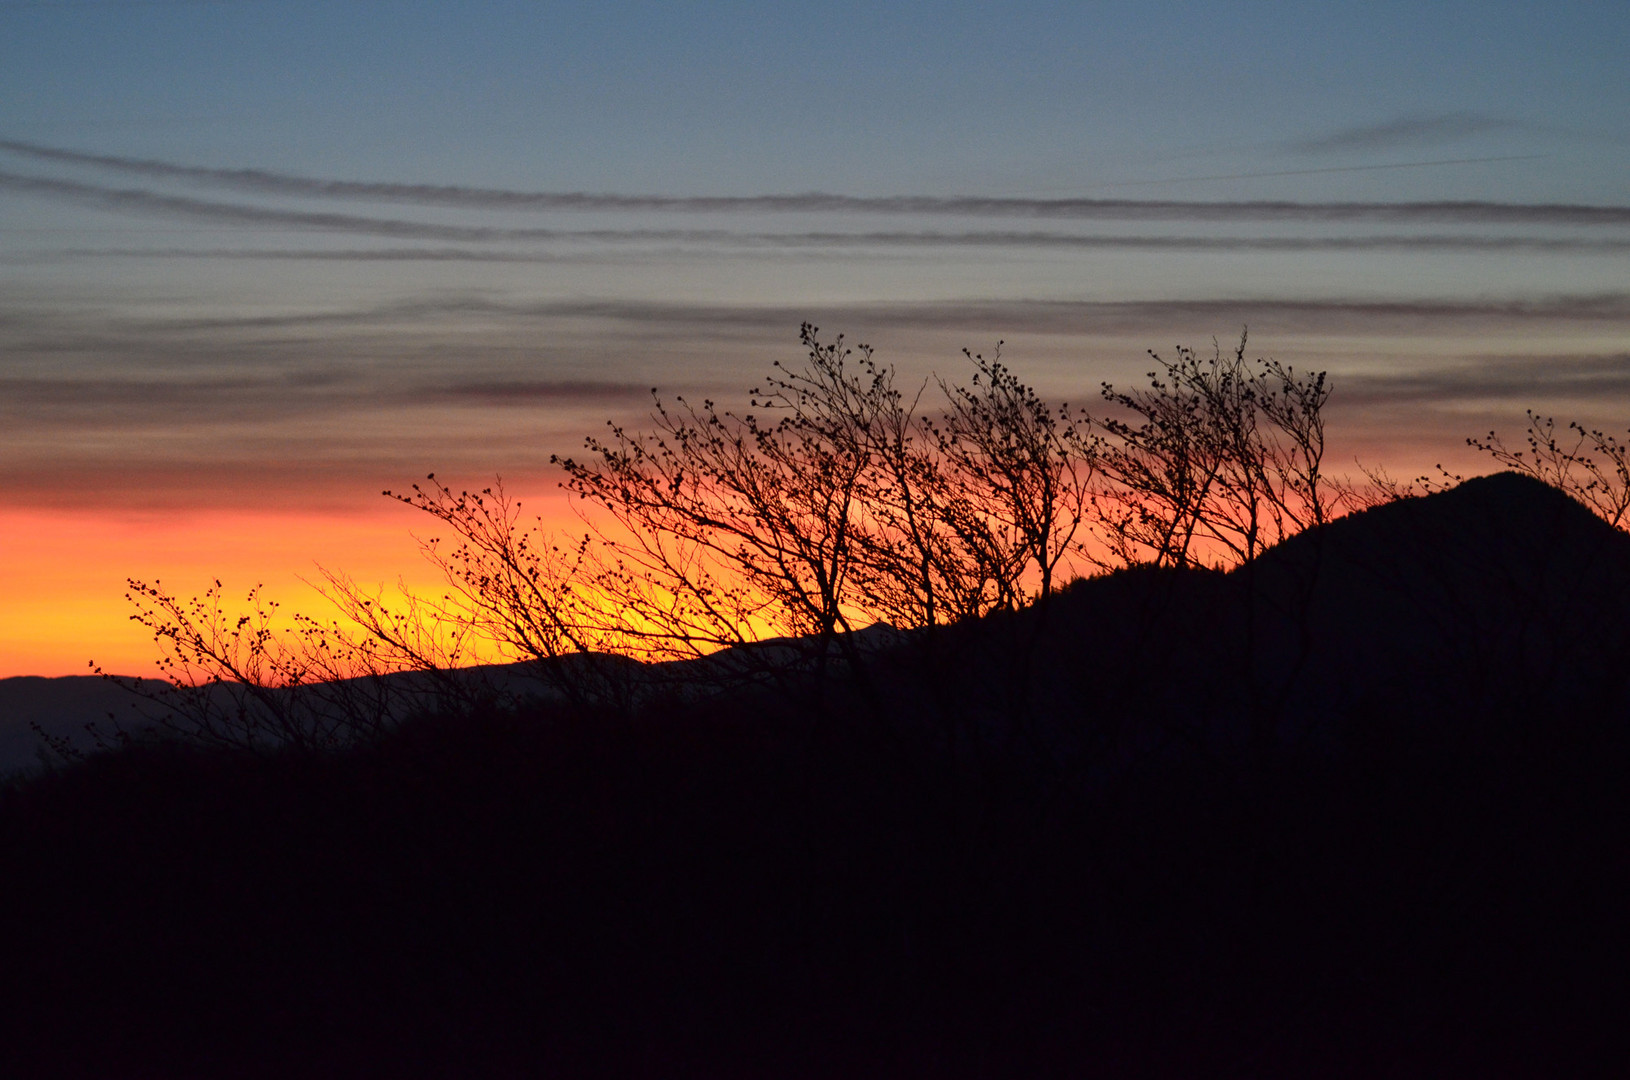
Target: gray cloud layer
{"x":399,"y":229}
{"x":272,"y":183}
{"x":153,"y":202}
{"x":101,"y":399}
{"x":91,"y":394}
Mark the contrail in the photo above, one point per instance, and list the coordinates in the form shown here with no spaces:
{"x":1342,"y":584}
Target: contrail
{"x":141,"y":200}
{"x":274,"y":183}
{"x":1333,"y":169}
{"x":1586,"y":378}
{"x":1402,"y":130}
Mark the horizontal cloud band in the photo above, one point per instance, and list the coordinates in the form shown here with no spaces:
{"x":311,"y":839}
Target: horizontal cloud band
{"x":459,"y":196}
{"x":1440,"y":243}
{"x":398,"y":229}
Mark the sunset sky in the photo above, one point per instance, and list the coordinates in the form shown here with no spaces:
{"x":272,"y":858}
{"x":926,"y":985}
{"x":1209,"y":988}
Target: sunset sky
{"x":260,"y":259}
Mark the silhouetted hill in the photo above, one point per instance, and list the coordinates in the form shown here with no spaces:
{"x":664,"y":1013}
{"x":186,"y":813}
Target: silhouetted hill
{"x":61,"y":707}
{"x":1357,"y":810}
{"x":1501,"y":591}
{"x":1498,"y":603}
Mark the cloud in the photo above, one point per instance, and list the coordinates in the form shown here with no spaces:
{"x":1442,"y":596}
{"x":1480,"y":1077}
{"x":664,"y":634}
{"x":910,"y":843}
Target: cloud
{"x":1043,"y":315}
{"x":1391,"y":165}
{"x":267,"y":182}
{"x":1524,"y":380}
{"x":389,"y":254}
{"x":1560,"y":245}
{"x":31,"y":395}
{"x":154,"y":202}
{"x":1402,"y":132}
{"x":189,"y":398}
{"x":530,"y":392}
{"x":104,"y":410}
{"x":201,"y":438}
{"x":432,"y":329}
{"x":1465,"y":212}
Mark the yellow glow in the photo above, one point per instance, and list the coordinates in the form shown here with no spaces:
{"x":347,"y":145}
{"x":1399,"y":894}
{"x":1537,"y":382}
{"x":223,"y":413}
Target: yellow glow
{"x":63,"y":573}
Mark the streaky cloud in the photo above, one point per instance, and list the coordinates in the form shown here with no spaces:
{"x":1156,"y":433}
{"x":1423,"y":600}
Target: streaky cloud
{"x":383,"y":254}
{"x":89,"y":400}
{"x":529,"y":392}
{"x":458,"y":196}
{"x":1570,"y":245}
{"x":1041,"y":316}
{"x":1402,"y":131}
{"x":146,"y":201}
{"x":1521,"y":379}
{"x":1332,"y":169}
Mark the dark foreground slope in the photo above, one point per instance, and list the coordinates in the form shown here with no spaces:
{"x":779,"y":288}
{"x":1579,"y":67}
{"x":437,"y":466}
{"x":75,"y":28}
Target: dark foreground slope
{"x":1360,"y":812}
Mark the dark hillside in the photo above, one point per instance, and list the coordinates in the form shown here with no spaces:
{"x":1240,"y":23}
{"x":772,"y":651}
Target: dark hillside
{"x":1500,"y":595}
{"x":1498,"y":604}
{"x":1356,"y":811}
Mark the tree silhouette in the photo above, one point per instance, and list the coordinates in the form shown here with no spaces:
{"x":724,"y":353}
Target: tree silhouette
{"x":241,"y":680}
{"x":1586,"y":463}
{"x":840,"y":505}
{"x":836,"y":501}
{"x":1217,"y":459}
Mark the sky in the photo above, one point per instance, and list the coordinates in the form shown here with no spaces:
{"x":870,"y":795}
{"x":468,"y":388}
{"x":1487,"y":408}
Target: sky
{"x":262,"y":259}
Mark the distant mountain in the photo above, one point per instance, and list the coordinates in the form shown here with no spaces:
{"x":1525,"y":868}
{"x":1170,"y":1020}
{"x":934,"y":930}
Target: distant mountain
{"x":67,"y":708}
{"x":61,"y":707}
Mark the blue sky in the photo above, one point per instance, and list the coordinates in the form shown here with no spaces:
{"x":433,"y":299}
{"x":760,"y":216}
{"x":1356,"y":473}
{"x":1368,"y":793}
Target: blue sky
{"x":282,"y":254}
{"x":870,"y":99}
{"x":126,"y":220}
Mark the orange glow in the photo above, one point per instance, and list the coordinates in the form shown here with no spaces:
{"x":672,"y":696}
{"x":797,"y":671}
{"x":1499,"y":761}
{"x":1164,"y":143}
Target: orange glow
{"x":62,"y":573}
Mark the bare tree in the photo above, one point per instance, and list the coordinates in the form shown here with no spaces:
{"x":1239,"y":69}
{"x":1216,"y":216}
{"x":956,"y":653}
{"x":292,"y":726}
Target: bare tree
{"x":835,"y":501}
{"x":242,"y":680}
{"x":1216,"y":460}
{"x":842,"y":504}
{"x":722,"y":529}
{"x":1026,"y":468}
{"x":1586,"y":463}
{"x":514,"y":584}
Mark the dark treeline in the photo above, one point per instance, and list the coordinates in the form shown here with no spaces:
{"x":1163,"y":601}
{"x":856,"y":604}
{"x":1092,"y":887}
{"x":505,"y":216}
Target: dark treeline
{"x":1353,"y":808}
